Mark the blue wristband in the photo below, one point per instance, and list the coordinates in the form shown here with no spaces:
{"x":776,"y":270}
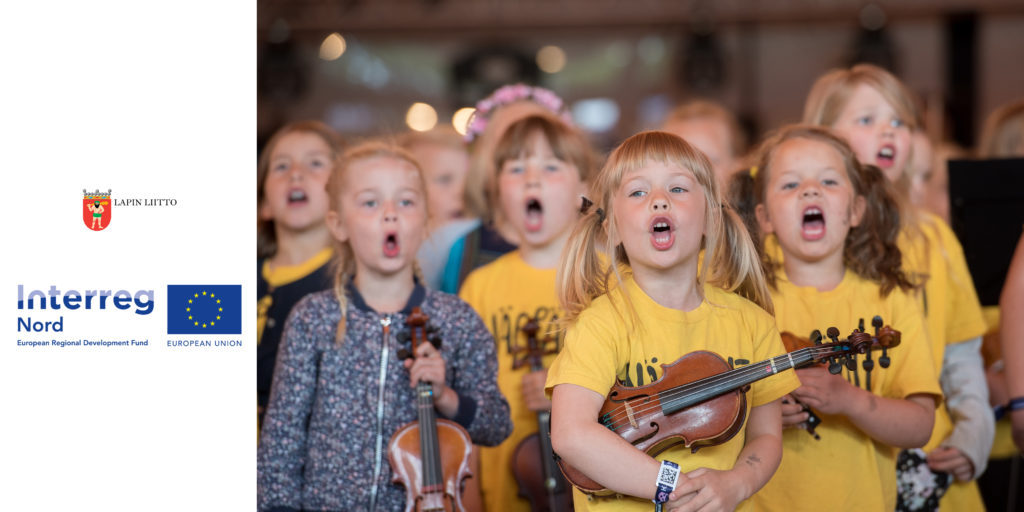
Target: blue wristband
{"x":1015,"y":404}
{"x":668,"y":475}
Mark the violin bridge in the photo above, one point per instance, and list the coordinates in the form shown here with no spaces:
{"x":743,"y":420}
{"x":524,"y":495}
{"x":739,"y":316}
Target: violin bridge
{"x":629,"y":413}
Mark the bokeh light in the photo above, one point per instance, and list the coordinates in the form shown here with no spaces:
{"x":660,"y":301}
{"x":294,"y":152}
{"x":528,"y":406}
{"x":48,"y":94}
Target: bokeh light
{"x":421,"y":117}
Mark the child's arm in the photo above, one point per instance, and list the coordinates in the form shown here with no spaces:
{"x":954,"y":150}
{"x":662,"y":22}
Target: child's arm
{"x":1012,"y":337}
{"x":708,"y":489}
{"x":282,"y":443}
{"x":599,"y":453}
{"x":965,"y":452}
{"x":903,"y":423}
{"x":470,"y":396}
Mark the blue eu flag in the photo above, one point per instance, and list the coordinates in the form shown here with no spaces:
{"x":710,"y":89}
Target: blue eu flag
{"x":204,"y":309}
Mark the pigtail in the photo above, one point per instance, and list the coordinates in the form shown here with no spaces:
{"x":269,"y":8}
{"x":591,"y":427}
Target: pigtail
{"x":581,"y":275}
{"x":344,"y":271}
{"x":871,"y":249}
{"x":735,"y":263}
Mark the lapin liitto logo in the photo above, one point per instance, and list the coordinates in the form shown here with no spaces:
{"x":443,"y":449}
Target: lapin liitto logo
{"x":96,"y":209}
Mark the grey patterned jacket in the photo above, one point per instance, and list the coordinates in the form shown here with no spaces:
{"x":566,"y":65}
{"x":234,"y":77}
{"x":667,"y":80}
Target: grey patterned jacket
{"x":323,"y":444}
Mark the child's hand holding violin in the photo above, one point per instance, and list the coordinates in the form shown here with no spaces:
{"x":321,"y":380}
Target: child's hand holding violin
{"x":429,"y":366}
{"x":823,"y":391}
{"x":793,"y":414}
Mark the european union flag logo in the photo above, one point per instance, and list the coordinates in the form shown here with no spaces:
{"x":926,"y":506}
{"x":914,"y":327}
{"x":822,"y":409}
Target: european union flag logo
{"x":204,"y":309}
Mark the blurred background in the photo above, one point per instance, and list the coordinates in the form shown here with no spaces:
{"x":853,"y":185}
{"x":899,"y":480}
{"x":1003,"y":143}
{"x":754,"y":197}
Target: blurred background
{"x":384,"y":66}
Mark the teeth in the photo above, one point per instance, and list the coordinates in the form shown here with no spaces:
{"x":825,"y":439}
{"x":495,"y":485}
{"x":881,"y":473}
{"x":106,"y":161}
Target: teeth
{"x":296,"y":195}
{"x":886,"y":152}
{"x":661,"y":225}
{"x":813,"y":211}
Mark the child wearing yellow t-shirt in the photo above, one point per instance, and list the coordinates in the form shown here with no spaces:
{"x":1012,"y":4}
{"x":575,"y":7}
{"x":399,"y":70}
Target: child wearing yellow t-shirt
{"x":540,"y":169}
{"x":835,"y":226}
{"x":874,"y":112}
{"x":638,"y":296}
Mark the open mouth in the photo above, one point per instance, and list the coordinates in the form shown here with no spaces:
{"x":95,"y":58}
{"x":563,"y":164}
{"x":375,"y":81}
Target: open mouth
{"x":886,"y":156}
{"x":391,"y":247}
{"x":813,"y":226}
{"x":297,"y":196}
{"x":662,"y":233}
{"x":534,"y":215}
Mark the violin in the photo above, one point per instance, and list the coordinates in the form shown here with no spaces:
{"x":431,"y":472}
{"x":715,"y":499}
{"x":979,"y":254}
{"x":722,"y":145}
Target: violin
{"x":430,"y":456}
{"x":793,"y":342}
{"x":700,"y":401}
{"x":533,"y":462}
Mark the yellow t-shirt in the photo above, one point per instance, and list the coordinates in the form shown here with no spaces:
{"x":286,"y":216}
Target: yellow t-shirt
{"x":601,"y":348}
{"x":507,"y":293}
{"x":847,"y":470}
{"x":952,"y":313}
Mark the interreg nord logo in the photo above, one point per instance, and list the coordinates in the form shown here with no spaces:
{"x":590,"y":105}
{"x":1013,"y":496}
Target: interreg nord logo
{"x":204,"y":309}
{"x":96,"y":209}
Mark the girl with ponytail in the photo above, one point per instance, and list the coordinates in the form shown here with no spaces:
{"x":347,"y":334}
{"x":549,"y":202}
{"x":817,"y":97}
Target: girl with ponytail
{"x":659,"y":267}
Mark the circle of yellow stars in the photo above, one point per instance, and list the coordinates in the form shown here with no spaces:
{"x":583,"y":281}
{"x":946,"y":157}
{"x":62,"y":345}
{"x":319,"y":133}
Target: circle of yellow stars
{"x":211,"y":323}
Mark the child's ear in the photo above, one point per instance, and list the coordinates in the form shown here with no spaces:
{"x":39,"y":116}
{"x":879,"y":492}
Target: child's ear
{"x":336,"y":226}
{"x":857,"y":209}
{"x":264,"y":210}
{"x":763,"y":221}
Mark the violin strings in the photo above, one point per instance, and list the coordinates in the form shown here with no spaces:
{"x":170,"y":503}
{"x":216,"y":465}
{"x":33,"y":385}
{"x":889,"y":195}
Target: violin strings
{"x":619,"y":417}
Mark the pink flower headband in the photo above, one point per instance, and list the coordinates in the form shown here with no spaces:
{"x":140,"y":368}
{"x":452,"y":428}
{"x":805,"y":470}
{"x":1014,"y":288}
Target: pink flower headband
{"x":507,"y":94}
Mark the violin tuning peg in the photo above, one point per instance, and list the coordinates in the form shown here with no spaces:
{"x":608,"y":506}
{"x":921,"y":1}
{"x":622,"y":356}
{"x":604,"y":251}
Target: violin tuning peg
{"x":403,"y":354}
{"x":884,"y":360}
{"x":869,"y":365}
{"x":851,"y":364}
{"x":876,"y":322}
{"x":816,"y":337}
{"x":833,"y":334}
{"x":835,"y":368}
{"x":860,"y":325}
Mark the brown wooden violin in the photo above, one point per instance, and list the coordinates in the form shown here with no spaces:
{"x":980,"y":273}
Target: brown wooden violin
{"x":700,"y":401}
{"x":533,"y":462}
{"x":793,"y":342}
{"x":430,"y":456}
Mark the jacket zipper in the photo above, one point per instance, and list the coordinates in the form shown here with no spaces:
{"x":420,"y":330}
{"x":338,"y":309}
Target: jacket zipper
{"x":385,"y":323}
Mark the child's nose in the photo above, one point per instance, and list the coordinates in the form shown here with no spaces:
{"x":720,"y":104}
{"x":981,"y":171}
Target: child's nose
{"x":659,"y":202}
{"x":811,"y":190}
{"x":390,"y":212}
{"x":533,"y":174}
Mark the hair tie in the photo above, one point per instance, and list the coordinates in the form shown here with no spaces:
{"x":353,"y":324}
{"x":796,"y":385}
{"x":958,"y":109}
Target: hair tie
{"x":753,"y":172}
{"x":585,"y":207}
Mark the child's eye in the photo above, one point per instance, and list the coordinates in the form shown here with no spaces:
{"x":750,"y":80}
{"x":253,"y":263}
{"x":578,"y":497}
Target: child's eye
{"x":406,"y":202}
{"x":279,"y":167}
{"x":638,"y":193}
{"x":370,"y":203}
{"x":896,"y":123}
{"x":830,"y":181}
{"x":513,"y":169}
{"x":789,"y":185}
{"x":677,"y":190}
{"x":863,"y":120}
{"x":552,"y":168}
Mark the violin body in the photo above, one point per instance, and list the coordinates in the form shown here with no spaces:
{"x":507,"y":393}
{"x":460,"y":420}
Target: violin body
{"x":407,"y":465}
{"x":708,"y":423}
{"x":539,"y":479}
